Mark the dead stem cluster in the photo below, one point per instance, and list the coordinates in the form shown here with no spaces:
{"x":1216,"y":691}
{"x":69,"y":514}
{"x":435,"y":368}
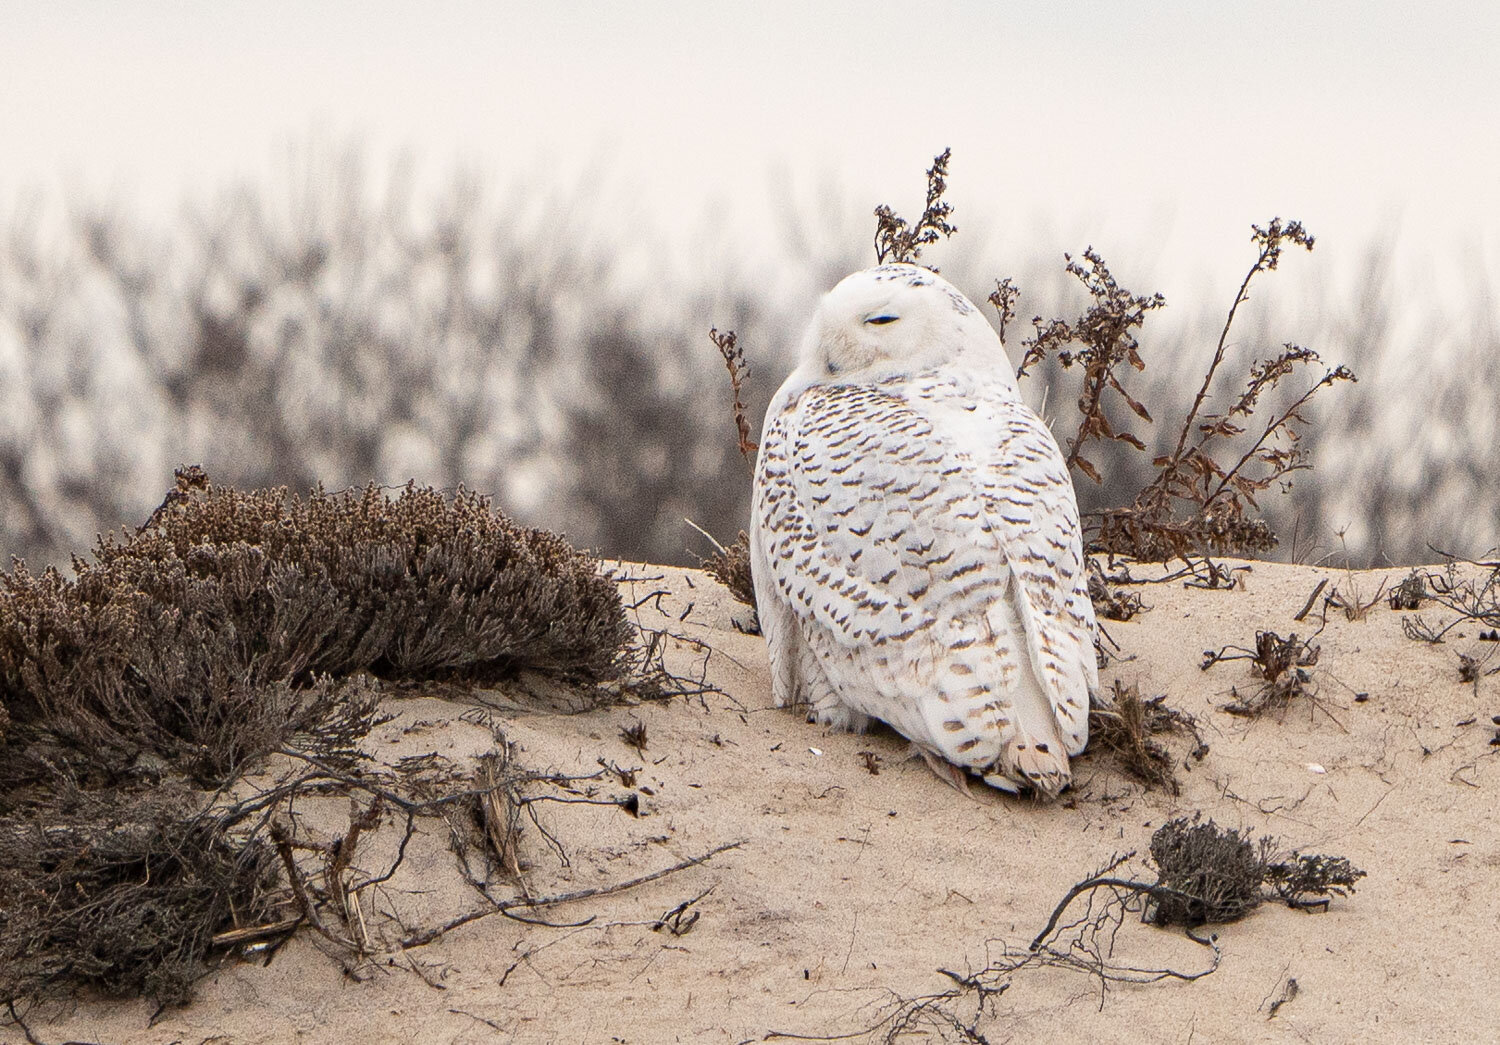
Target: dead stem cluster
{"x":898,"y":242}
{"x":1107,"y":594}
{"x":1471,"y":599}
{"x":1199,"y":498}
{"x":1280,"y":662}
{"x":1126,"y":727}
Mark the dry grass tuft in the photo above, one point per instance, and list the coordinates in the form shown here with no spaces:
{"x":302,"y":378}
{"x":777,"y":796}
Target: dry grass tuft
{"x":1408,"y":595}
{"x":1126,"y":730}
{"x":1281,"y":662}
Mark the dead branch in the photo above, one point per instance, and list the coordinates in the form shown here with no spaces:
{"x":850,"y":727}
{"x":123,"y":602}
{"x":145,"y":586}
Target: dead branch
{"x":426,"y":936}
{"x":734,"y":360}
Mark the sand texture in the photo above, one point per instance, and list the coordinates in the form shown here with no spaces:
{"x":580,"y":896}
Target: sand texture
{"x":857,"y":875}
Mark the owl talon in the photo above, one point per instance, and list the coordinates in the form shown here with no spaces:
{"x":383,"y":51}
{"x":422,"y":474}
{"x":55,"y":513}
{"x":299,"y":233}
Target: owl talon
{"x":954,"y":776}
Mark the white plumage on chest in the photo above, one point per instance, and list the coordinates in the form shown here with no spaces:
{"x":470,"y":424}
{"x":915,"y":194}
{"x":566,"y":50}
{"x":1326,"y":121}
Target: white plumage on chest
{"x":915,"y":540}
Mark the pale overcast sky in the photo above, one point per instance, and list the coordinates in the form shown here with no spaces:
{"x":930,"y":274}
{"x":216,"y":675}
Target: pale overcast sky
{"x":1104,"y":119}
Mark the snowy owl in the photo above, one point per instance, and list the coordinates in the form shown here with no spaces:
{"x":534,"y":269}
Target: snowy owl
{"x":915,"y":540}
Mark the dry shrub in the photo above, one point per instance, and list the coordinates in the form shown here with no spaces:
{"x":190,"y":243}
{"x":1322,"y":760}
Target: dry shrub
{"x":122,"y":890}
{"x":1301,"y":875}
{"x":1111,"y":602}
{"x":895,"y":240}
{"x":228,"y":626}
{"x":199,"y":636}
{"x":730,"y":566}
{"x":1207,"y":873}
{"x":1471,"y":599}
{"x":1199,"y":499}
{"x":1127,"y":727}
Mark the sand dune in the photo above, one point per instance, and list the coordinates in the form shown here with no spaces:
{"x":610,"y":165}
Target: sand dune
{"x":858,"y":875}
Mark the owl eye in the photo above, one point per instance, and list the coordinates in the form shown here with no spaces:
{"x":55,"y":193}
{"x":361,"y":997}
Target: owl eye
{"x":881,"y":320}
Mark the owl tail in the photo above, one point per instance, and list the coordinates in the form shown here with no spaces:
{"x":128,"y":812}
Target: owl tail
{"x":1041,"y":765}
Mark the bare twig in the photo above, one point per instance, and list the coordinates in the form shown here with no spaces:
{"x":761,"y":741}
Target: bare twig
{"x":1307,"y":608}
{"x":894,"y":241}
{"x":426,"y":936}
{"x":734,"y":360}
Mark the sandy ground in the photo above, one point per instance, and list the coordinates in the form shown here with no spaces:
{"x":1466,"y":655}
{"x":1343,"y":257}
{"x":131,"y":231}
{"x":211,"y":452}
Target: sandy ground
{"x":849,"y":890}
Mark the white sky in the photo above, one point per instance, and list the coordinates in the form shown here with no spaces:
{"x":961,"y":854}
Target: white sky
{"x":1161,"y":126}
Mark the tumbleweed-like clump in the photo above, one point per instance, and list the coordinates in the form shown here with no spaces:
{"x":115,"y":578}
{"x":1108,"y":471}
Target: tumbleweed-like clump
{"x":1214,"y":874}
{"x":1208,"y":873}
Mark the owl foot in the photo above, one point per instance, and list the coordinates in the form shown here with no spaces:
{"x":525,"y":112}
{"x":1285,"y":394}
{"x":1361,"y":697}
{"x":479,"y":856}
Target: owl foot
{"x":954,"y":776}
{"x":838,"y":716}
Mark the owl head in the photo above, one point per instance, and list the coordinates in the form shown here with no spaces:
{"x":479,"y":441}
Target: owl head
{"x":894,"y":321}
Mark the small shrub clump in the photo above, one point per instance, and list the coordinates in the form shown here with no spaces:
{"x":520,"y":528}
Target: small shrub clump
{"x":122,"y":890}
{"x":1127,"y":727}
{"x":1281,"y":662}
{"x":730,"y":566}
{"x":1207,"y":873}
{"x":1110,"y":602}
{"x":199,"y":636}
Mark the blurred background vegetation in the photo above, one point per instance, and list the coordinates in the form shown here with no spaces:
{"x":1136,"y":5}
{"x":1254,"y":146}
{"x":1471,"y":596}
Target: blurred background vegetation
{"x":337,"y":327}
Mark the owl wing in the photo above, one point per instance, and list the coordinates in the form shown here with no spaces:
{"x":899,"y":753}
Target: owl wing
{"x":1029,"y":501}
